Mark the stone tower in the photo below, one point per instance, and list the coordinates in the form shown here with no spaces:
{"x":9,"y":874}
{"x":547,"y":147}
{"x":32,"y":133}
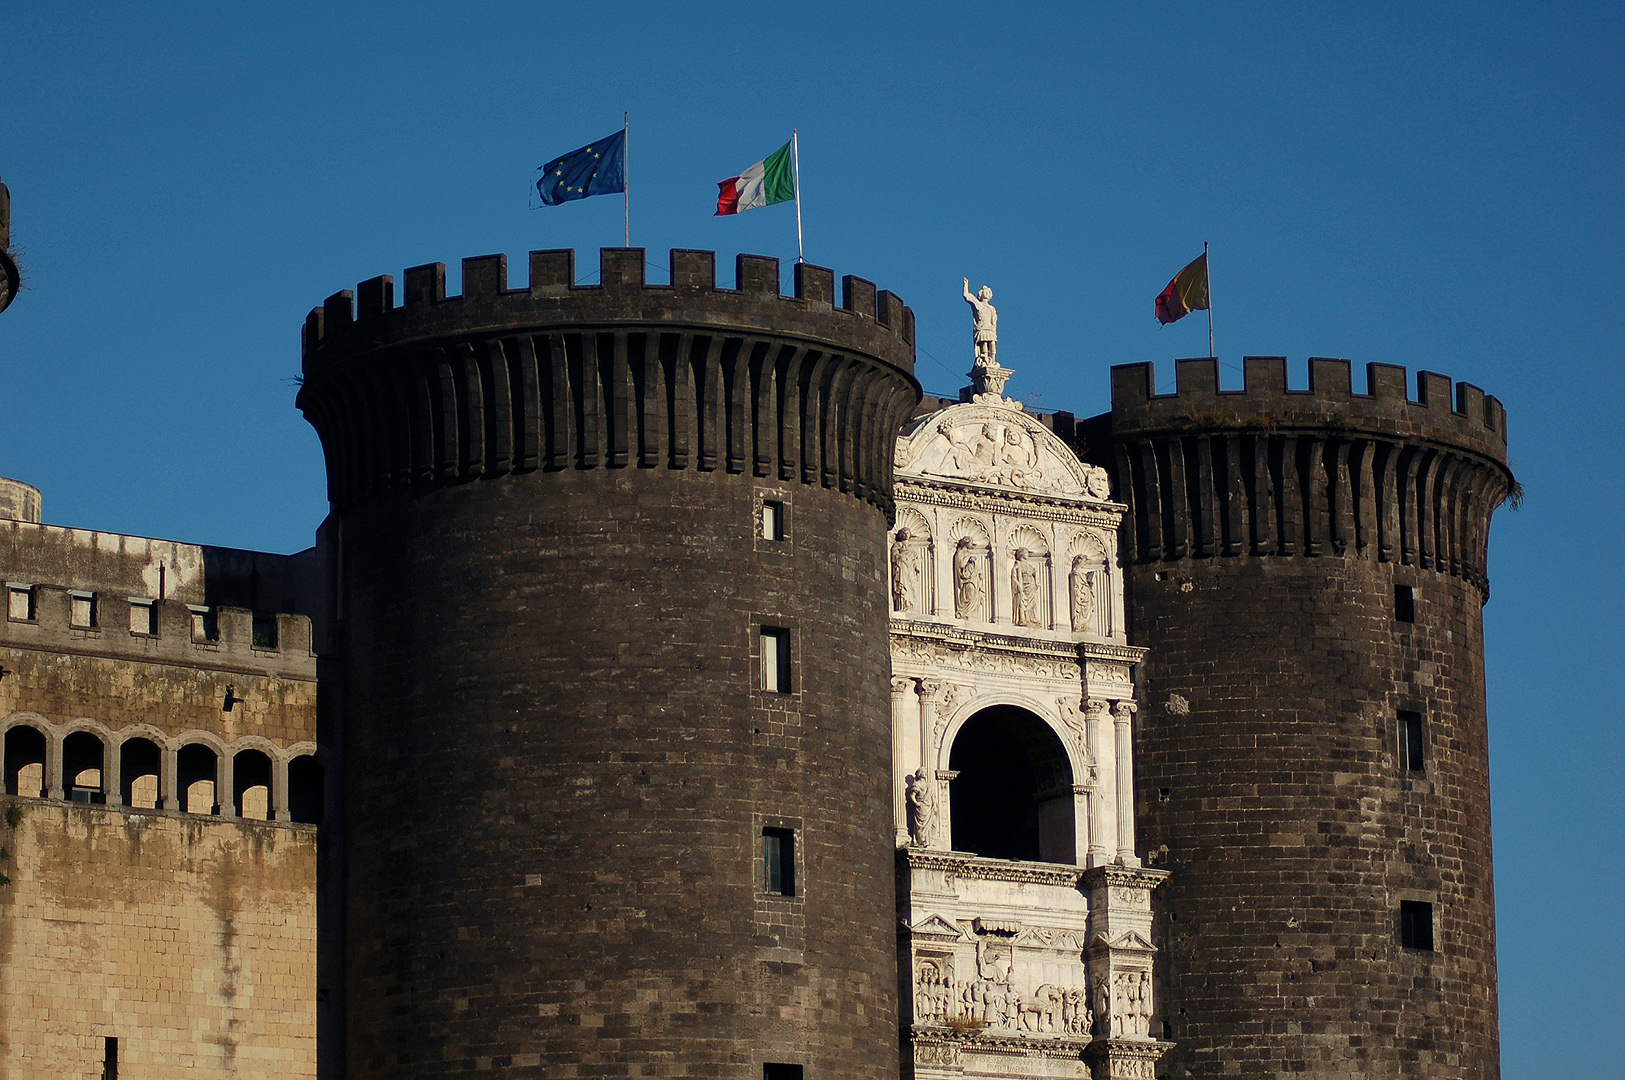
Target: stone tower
{"x":1311,"y":748}
{"x":611,"y":615}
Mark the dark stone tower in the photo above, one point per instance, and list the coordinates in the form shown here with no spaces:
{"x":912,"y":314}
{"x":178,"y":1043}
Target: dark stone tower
{"x":1308,"y":569}
{"x":562,"y":745}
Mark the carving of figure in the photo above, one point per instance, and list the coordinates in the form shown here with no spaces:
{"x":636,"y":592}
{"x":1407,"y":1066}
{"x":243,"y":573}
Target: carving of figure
{"x":1098,"y":481}
{"x":969,"y":585}
{"x":1018,"y":454}
{"x":1142,"y":1004}
{"x":976,"y":457}
{"x":1024,"y":591}
{"x":1076,"y":1011}
{"x":986,"y":317}
{"x":922,"y":808}
{"x":905,"y":572}
{"x":1103,"y":1009}
{"x":1083,"y":598}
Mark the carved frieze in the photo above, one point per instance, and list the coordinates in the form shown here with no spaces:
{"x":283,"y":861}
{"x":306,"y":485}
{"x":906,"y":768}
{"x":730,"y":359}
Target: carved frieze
{"x":994,"y":446}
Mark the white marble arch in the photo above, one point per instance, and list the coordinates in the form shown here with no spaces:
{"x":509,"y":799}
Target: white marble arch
{"x":1077,"y":755}
{"x":1077,"y":759}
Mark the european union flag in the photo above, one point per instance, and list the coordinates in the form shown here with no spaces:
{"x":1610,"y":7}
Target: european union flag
{"x":598,"y":169}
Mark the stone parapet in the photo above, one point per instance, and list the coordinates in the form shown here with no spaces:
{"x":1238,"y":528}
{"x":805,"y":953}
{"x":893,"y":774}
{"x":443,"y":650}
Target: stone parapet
{"x":619,"y":374}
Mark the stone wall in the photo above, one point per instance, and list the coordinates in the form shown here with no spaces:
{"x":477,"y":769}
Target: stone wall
{"x":192,"y":941}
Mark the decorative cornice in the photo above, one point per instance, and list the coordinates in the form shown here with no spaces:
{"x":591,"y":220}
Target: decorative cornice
{"x":1135,"y":877}
{"x":965,"y":496}
{"x":961,"y":639}
{"x":984,"y":1041}
{"x":972,"y":866}
{"x":1122,"y":654}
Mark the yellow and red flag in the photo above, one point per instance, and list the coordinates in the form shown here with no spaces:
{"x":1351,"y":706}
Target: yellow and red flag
{"x":1186,"y":293}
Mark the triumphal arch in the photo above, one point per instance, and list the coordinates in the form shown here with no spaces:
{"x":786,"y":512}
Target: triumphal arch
{"x":1025,"y":912}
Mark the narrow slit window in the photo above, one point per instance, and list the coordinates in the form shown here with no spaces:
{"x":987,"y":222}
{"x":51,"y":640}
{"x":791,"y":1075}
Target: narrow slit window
{"x":775,"y":1071}
{"x":779,"y":861}
{"x":1416,"y":925}
{"x":1411,"y":742}
{"x":110,"y":1058}
{"x":1404,"y":603}
{"x":772,"y":521}
{"x":775,"y":660}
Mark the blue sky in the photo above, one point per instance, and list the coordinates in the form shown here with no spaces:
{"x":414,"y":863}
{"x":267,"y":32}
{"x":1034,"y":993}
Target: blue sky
{"x":1431,"y":185}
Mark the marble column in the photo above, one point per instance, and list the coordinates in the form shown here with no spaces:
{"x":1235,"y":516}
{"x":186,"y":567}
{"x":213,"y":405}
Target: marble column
{"x":1123,"y":713}
{"x":1099,"y":845}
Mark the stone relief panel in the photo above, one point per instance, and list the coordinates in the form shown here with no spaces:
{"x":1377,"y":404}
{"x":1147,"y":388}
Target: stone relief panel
{"x":1007,"y":986}
{"x":912,"y":565}
{"x":993,"y":445}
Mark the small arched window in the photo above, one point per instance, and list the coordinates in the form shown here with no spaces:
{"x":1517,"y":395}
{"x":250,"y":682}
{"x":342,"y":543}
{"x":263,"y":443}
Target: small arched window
{"x":82,"y":762}
{"x":251,"y":777}
{"x":138,"y":773}
{"x":25,"y":762}
{"x":196,"y":769}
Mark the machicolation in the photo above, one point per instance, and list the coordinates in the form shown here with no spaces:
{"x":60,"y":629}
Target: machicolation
{"x":618,"y":374}
{"x":1268,"y":470}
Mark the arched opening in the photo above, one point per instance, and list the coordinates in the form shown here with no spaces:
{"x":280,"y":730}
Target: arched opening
{"x":305,"y":789}
{"x":195,"y":768}
{"x":1012,"y":797}
{"x":138,"y":773}
{"x":25,"y":762}
{"x":251,"y":777}
{"x":82,"y":764}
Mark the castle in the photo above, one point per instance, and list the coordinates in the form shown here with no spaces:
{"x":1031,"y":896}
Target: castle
{"x":672,"y":691}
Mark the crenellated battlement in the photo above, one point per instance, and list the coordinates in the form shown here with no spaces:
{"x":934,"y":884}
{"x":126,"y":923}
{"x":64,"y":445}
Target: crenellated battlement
{"x":876,"y":321}
{"x":1461,"y":414}
{"x":1324,"y":471}
{"x":615,"y":375}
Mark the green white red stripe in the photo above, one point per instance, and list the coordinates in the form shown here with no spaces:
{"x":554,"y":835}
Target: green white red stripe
{"x":771,"y":180}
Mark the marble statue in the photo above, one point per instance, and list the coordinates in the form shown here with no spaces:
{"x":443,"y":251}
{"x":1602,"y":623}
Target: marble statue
{"x":922,"y":808}
{"x":1024,"y":598}
{"x":905,"y":572}
{"x":987,"y":324}
{"x":1083,"y":598}
{"x":968,"y":584}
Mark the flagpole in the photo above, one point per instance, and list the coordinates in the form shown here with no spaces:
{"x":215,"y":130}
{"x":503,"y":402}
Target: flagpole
{"x":795,"y":163}
{"x":626,"y":175}
{"x":1209,"y":264}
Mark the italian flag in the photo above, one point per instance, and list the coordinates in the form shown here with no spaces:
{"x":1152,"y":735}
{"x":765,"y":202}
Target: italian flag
{"x":771,"y":180}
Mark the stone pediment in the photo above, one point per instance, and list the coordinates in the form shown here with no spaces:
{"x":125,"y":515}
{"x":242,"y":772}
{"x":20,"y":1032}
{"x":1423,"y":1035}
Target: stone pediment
{"x":997,"y":447}
{"x":935,"y":926}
